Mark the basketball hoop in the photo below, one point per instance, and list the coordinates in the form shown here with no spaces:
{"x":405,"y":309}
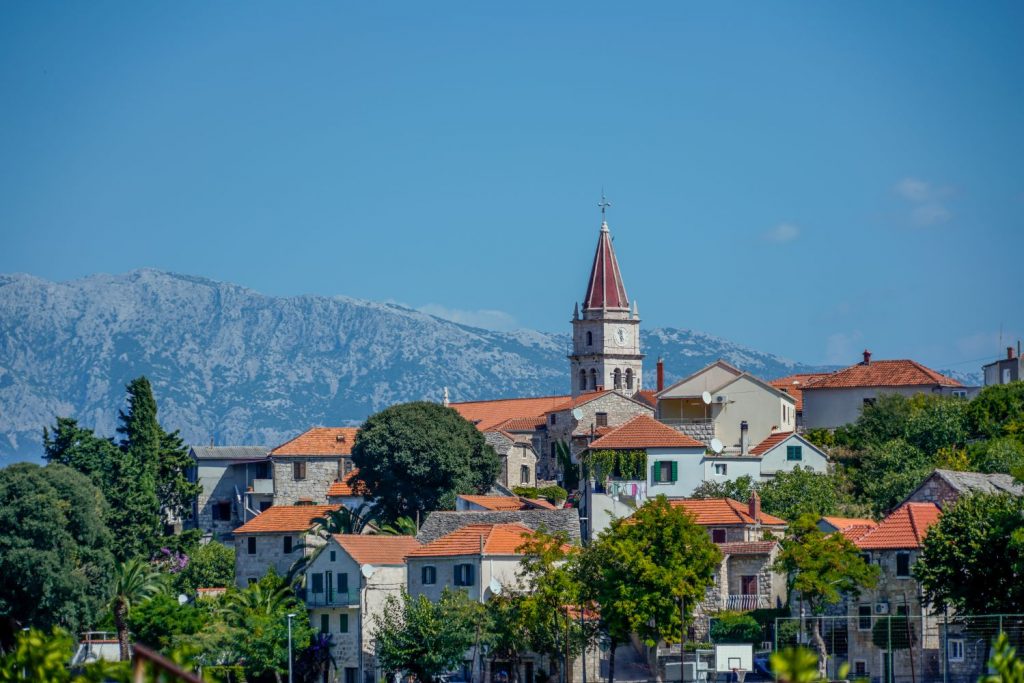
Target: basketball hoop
{"x":740,"y":674}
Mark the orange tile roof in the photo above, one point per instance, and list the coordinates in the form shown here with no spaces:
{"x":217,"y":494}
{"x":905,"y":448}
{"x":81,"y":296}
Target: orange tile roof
{"x":904,"y":528}
{"x":794,"y":384}
{"x":319,"y":441}
{"x":496,"y":502}
{"x":648,"y":396}
{"x":284,"y":518}
{"x":349,"y":486}
{"x":882,"y":373}
{"x":856,"y":532}
{"x":844,"y":522}
{"x":722,"y":512}
{"x":645,"y":432}
{"x":488,"y":414}
{"x":520,"y":424}
{"x":498,"y":539}
{"x":367,"y":549}
{"x":771,"y":442}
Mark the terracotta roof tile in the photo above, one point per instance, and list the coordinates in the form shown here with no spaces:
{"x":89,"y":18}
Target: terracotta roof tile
{"x":498,"y":539}
{"x":508,"y":502}
{"x":349,"y":486}
{"x":488,"y":414}
{"x":882,"y":373}
{"x":284,"y":518}
{"x":520,"y":424}
{"x":771,"y":442}
{"x":794,"y":385}
{"x":648,"y":396}
{"x":645,"y":432}
{"x":722,"y":512}
{"x":372,"y":549}
{"x":576,"y":401}
{"x":319,"y":441}
{"x":904,"y":528}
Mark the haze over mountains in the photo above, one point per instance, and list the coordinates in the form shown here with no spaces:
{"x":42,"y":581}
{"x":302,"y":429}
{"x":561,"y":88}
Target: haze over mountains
{"x":237,"y":367}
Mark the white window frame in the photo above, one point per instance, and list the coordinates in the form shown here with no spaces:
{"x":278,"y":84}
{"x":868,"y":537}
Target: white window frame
{"x":423,"y":575}
{"x":721,"y":469}
{"x":954,"y":645}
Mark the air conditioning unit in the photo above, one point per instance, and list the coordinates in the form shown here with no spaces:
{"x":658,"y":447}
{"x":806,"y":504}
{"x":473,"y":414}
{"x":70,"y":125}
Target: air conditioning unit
{"x":881,"y":608}
{"x":721,"y":398}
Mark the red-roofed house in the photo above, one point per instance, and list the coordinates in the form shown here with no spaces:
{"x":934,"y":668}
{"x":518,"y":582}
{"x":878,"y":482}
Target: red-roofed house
{"x":272,"y":539}
{"x":794,"y":386}
{"x":837,"y":398}
{"x":469,"y":503}
{"x":783,"y":451}
{"x":307,"y":466}
{"x":894,"y":546}
{"x":346,"y":583}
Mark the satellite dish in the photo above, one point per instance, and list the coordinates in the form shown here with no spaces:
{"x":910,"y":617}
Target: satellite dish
{"x":716,"y":445}
{"x":495,"y":587}
{"x":367,"y":570}
{"x":706,"y":397}
{"x":182,"y":598}
{"x":577,"y":414}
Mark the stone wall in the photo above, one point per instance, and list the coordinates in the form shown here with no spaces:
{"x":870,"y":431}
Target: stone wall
{"x":320,"y":474}
{"x":702,"y":432}
{"x":269,"y":553}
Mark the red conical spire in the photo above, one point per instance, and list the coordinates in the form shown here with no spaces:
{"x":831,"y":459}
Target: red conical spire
{"x":605,"y":289}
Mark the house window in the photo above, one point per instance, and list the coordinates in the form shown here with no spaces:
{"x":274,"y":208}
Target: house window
{"x":956,"y":650}
{"x":590,"y":338}
{"x":287,"y":544}
{"x":794,"y":453}
{"x":325,"y":623}
{"x":343,"y":585}
{"x":721,"y":469}
{"x":428,"y":575}
{"x":262,"y":470}
{"x":583,"y":380}
{"x":343,"y":622}
{"x":864,"y":618}
{"x":869,"y":402}
{"x":298,"y":471}
{"x":629,"y":378}
{"x":593,"y":378}
{"x":251,"y":545}
{"x":463,"y":575}
{"x":718,"y":535}
{"x":860,"y":668}
{"x":524,"y":474}
{"x":222,"y":511}
{"x":601,"y":419}
{"x":617,"y":378}
{"x":866,"y":557}
{"x":665,"y":471}
{"x":902,"y":565}
{"x":251,"y":580}
{"x":334,"y":556}
{"x":554,"y":452}
{"x":959,"y":393}
{"x":318,"y":583}
{"x":554,"y":417}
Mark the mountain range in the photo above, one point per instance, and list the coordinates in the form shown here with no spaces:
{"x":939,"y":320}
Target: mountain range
{"x":232,"y":366}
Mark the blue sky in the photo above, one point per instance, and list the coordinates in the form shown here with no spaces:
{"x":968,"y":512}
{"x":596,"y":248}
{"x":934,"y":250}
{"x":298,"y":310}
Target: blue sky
{"x":807,"y":178}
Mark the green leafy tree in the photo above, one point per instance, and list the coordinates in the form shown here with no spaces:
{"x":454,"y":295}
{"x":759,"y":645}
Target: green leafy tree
{"x":937,"y":422}
{"x":642,"y":568}
{"x":510,"y":622}
{"x":416,"y":457}
{"x":403,"y":526}
{"x":973,"y":558}
{"x":66,"y":443}
{"x":1008,"y":667}
{"x":55,"y":556}
{"x":173,"y":489}
{"x":1002,"y":454}
{"x":735,"y":627}
{"x":739,"y":489}
{"x":889,"y":471}
{"x":211,"y":565}
{"x":135,"y":581}
{"x":161,"y":620}
{"x":823,"y":568}
{"x":882,"y":421}
{"x":791,"y":494}
{"x":998,"y":411}
{"x":41,"y":656}
{"x":424,"y":638}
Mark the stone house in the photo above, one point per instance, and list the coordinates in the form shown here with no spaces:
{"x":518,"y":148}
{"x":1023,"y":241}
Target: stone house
{"x":837,"y":398}
{"x":794,"y":386}
{"x":346,"y":583}
{"x":944,"y":487}
{"x":518,"y":459}
{"x":894,"y":545}
{"x":305,"y":467}
{"x":730,"y":521}
{"x":442,"y":522}
{"x":742,"y":409}
{"x":235,"y":487}
{"x":272,"y":539}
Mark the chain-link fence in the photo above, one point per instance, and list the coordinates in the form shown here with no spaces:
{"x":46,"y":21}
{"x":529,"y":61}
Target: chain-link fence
{"x":902,"y":648}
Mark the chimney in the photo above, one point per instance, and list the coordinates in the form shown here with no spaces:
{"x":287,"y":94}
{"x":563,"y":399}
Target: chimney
{"x":1009,"y":353}
{"x":744,"y":438}
{"x":445,"y":402}
{"x":661,"y":374}
{"x":867,"y":357}
{"x":754,"y":506}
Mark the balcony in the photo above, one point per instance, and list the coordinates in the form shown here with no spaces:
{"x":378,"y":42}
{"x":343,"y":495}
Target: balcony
{"x":349,"y":599}
{"x":745,"y":603}
{"x":700,"y":428}
{"x":263,"y":486}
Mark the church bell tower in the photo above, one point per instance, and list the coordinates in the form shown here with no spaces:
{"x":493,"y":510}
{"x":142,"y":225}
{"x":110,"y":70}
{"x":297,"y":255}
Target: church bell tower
{"x":606,"y":333}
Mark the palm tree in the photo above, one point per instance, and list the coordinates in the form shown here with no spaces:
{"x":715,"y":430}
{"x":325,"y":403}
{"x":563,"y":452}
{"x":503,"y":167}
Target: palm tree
{"x":343,"y":521}
{"x":403,"y":526}
{"x":264,"y":597}
{"x":136,"y":581}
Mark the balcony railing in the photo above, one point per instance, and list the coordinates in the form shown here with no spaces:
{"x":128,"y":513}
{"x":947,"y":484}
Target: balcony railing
{"x":335,"y":599}
{"x":745,"y":603}
{"x":685,"y":421}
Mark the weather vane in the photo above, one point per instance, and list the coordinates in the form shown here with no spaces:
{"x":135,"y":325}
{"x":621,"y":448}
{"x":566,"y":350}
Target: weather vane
{"x":604,"y":204}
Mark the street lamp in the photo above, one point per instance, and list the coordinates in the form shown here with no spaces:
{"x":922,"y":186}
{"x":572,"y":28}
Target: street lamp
{"x":291,"y":616}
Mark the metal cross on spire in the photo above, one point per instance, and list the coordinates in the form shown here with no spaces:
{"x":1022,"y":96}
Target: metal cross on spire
{"x":604,"y":204}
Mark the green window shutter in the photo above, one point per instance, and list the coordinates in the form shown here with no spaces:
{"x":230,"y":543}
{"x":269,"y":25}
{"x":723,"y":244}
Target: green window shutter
{"x":655,"y":472}
{"x":794,"y":453}
{"x":675,"y":471}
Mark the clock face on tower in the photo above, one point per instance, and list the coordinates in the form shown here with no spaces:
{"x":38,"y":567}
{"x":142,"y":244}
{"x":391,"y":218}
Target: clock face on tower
{"x":621,"y":336}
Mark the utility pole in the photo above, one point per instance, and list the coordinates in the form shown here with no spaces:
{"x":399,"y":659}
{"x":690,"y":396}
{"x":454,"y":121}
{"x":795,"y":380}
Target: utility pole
{"x":682,"y":638}
{"x":291,"y":616}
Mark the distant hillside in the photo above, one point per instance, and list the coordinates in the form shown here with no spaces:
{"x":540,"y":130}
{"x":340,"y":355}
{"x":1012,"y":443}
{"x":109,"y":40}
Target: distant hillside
{"x":234,"y":366}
